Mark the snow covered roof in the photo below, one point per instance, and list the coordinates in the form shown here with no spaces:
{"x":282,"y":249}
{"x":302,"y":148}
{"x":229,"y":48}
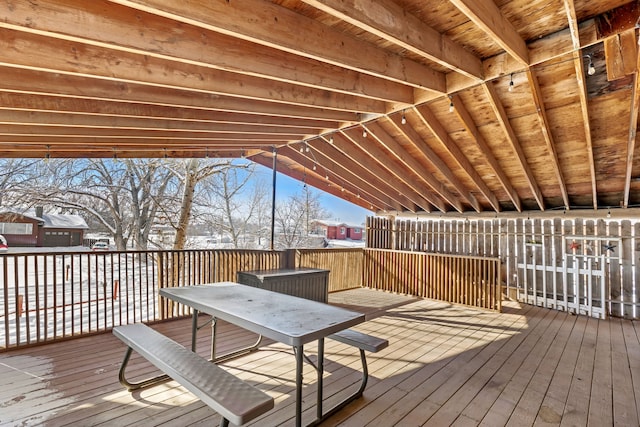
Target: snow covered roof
{"x":53,"y":220}
{"x":64,"y":221}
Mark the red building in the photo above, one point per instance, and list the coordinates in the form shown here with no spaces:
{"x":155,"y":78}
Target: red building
{"x":35,"y":228}
{"x":336,"y":230}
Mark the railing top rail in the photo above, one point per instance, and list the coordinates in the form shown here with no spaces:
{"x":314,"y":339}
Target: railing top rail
{"x":481,"y":258}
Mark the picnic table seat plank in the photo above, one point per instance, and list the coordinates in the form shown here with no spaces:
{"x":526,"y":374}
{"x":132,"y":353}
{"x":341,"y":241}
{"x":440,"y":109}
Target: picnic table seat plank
{"x":231,"y":397}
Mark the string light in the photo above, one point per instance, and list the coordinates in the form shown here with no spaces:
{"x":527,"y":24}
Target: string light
{"x":511,"y":84}
{"x":591,"y":69}
{"x":364,"y":133}
{"x":451,"y":106}
{"x":404,"y":119}
{"x":330,"y":139}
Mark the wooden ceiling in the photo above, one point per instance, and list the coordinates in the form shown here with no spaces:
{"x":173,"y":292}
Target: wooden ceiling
{"x":404,"y":106}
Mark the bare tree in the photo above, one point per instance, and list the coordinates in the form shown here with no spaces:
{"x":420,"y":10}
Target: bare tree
{"x":192,"y":173}
{"x":233,"y":206}
{"x":293,"y":218}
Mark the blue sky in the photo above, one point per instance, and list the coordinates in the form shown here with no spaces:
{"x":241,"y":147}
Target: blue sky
{"x":341,"y":210}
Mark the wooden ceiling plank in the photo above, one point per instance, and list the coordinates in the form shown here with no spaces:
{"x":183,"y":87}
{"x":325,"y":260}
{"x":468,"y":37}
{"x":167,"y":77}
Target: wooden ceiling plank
{"x":411,"y":135}
{"x":86,"y":142}
{"x":13,"y":101}
{"x":62,"y":56}
{"x":345,"y":145}
{"x":416,"y":169}
{"x":503,"y":121}
{"x":266,"y":160}
{"x":582,"y":92}
{"x":270,"y":25}
{"x":429,"y":119}
{"x":89,"y":122}
{"x":489,"y":18}
{"x":345,"y":180}
{"x":391,"y":22}
{"x":541,"y":112}
{"x":42,"y":82}
{"x":105,"y":24}
{"x":150,"y":134}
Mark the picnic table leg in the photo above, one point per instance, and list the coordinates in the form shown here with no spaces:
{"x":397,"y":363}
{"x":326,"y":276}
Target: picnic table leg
{"x":320,"y":370}
{"x":299,"y":351}
{"x":194,"y":329}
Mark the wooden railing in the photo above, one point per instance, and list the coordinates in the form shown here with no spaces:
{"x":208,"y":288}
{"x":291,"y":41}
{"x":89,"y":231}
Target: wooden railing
{"x":473,"y":281}
{"x":52,"y":296}
{"x":345,"y":265}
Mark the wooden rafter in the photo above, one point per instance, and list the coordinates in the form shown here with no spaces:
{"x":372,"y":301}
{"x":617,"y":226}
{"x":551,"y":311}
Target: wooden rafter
{"x":296,"y":172}
{"x":541,"y":112}
{"x":633,"y":134}
{"x":79,"y":20}
{"x":487,"y":16}
{"x":397,"y":172}
{"x":510,"y":134}
{"x":381,"y":175}
{"x":411,"y":135}
{"x":251,"y":20}
{"x":73,"y":86}
{"x":327,"y":155}
{"x":578,"y":62}
{"x":389,"y":21}
{"x":412,"y":165}
{"x":345,"y":178}
{"x":428,"y":118}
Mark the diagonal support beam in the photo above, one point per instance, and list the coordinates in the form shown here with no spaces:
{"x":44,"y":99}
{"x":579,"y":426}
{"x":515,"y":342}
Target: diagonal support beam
{"x":503,"y":120}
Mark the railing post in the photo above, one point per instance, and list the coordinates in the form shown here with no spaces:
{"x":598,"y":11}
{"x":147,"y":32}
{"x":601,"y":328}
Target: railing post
{"x":289,"y":258}
{"x":19,"y":308}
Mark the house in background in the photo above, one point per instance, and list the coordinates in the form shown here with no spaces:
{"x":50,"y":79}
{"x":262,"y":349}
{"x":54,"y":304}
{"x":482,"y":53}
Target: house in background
{"x":35,"y":228}
{"x":336,"y":230}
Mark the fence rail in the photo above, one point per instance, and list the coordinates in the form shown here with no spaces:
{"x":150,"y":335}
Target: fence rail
{"x":473,"y":281}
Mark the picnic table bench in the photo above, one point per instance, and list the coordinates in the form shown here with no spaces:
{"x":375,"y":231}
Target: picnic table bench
{"x":235,"y":400}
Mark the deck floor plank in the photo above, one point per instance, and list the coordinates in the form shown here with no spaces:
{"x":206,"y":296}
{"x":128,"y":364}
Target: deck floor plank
{"x":445,"y":365}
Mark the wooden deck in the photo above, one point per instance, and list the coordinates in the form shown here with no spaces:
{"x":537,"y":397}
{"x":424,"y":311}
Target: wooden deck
{"x":445,"y":365}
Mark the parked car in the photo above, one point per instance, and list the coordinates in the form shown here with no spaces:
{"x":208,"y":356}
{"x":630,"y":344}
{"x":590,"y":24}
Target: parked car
{"x":100,"y":246}
{"x":3,"y":244}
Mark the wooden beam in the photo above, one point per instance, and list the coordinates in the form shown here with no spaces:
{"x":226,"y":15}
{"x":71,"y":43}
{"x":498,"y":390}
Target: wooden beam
{"x":101,"y":23}
{"x":61,"y":56}
{"x":632,"y":140}
{"x":541,"y":112}
{"x":414,"y":138}
{"x":412,"y":165}
{"x":427,"y":117}
{"x":41,"y":82}
{"x":289,"y":169}
{"x":338,"y":175}
{"x":578,"y":62}
{"x":270,"y":25}
{"x":391,"y":22}
{"x":330,"y":157}
{"x":378,"y":168}
{"x":488,"y":17}
{"x":503,"y":120}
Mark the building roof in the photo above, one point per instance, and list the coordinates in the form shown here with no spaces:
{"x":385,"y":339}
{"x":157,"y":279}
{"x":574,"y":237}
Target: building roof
{"x":68,"y":221}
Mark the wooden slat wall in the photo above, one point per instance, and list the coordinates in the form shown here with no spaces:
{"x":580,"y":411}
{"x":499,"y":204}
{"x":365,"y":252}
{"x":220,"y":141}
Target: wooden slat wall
{"x":345,"y":265}
{"x":555,"y":262}
{"x":472,"y":281}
